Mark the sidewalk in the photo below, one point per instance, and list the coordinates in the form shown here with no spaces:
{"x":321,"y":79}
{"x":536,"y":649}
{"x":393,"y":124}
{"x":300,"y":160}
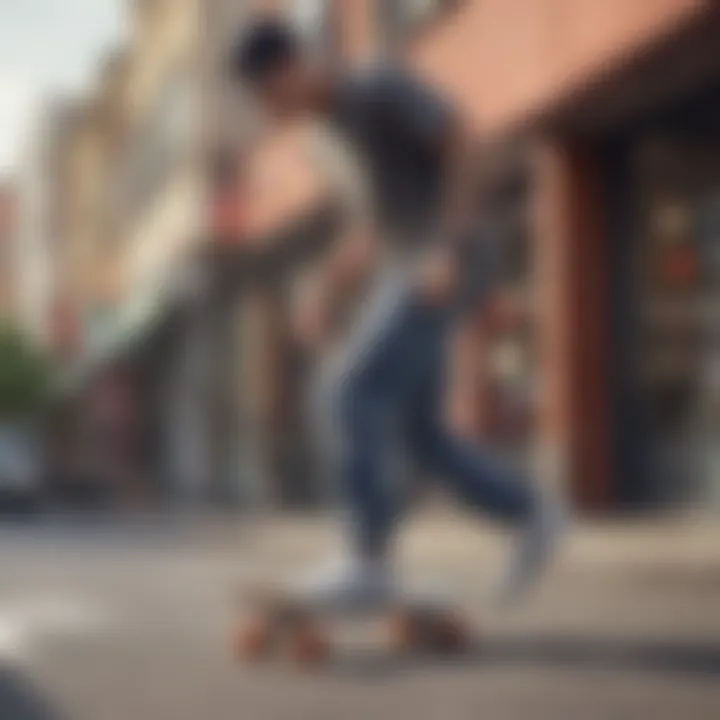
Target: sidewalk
{"x":435,"y":536}
{"x":669,"y":540}
{"x":625,"y":625}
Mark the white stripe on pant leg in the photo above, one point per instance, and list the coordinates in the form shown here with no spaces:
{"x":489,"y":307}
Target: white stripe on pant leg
{"x":334,"y":370}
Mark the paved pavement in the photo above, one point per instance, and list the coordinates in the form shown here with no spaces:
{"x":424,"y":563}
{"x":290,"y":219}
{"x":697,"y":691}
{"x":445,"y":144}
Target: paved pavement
{"x":127,"y":619}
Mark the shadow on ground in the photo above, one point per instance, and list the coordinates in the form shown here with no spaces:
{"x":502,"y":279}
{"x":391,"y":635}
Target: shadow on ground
{"x":553,"y":652}
{"x":20,"y":700}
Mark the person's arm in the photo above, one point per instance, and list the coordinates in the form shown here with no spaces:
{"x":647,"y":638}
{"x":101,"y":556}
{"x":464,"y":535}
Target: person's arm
{"x":459,"y":199}
{"x":468,"y":367}
{"x":466,"y":373}
{"x":337,"y":276}
{"x":469,"y":343}
{"x":442,"y":271}
{"x":353,"y":253}
{"x":478,"y":312}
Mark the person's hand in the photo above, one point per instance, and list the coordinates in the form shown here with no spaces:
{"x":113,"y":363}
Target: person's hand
{"x":436,"y":277}
{"x":310,"y":321}
{"x":352,"y":259}
{"x":462,"y":414}
{"x":502,"y":312}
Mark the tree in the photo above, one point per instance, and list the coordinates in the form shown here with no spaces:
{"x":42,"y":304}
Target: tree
{"x":24,"y":375}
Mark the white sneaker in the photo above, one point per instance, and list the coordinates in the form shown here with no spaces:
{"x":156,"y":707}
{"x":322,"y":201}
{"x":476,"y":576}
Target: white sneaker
{"x":349,"y":585}
{"x":532,"y":551}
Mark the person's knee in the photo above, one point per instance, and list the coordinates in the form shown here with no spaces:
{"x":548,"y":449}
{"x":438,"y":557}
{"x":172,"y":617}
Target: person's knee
{"x":427,"y":446}
{"x":353,"y":404}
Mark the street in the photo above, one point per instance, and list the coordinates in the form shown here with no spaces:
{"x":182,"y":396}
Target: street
{"x":119,"y":619}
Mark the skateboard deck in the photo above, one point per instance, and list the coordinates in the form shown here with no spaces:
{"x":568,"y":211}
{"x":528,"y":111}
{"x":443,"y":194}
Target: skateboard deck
{"x":276,"y":624}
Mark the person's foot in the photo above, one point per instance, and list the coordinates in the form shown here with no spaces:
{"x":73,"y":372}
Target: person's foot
{"x":349,"y":584}
{"x":532,"y":551}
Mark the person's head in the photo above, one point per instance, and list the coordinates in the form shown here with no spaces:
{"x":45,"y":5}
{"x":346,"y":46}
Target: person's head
{"x":269,"y":59}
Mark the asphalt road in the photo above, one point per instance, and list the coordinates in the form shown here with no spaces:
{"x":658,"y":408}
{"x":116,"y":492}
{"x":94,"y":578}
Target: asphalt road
{"x":129,"y":620}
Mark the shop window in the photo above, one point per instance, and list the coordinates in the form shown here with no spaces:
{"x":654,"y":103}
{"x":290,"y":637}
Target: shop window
{"x":675,"y":263}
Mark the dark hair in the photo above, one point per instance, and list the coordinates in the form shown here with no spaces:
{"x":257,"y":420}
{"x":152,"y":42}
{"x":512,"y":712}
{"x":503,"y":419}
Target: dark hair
{"x":262,"y":48}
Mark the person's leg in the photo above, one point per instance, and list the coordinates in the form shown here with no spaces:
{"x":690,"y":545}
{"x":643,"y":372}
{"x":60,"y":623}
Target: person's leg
{"x":359,"y":402}
{"x":359,"y":574}
{"x":481,"y":483}
{"x":472,"y":474}
{"x":356,"y":401}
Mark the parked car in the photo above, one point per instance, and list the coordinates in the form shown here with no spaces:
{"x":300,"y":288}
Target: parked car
{"x":21,"y":477}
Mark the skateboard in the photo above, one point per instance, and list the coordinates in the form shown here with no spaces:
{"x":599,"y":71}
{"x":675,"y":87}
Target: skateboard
{"x":278,"y":625}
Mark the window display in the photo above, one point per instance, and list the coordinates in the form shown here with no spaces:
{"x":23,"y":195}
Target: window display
{"x":677,"y":274}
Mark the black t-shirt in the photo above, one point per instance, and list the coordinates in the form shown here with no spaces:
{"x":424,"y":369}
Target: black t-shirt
{"x":479,"y":257}
{"x":396,"y":126}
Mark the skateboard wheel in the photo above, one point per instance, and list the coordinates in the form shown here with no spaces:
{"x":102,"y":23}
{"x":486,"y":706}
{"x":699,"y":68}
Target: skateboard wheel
{"x":252,"y":639}
{"x":449,"y":635}
{"x":405,"y":630}
{"x":419,"y":631}
{"x":307,"y":646}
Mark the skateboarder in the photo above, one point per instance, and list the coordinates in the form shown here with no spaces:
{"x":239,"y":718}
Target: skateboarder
{"x":401,"y":278}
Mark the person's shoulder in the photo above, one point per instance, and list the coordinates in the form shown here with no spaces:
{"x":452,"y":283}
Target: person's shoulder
{"x":376,"y":78}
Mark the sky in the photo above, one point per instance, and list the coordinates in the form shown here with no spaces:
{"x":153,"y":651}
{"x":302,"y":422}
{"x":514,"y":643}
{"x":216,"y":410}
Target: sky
{"x":48,"y":47}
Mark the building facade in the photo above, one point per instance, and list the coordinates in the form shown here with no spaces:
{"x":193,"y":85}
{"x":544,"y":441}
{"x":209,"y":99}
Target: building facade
{"x":594,"y":125}
{"x":615,"y":100}
{"x":155,"y":257}
{"x":600,"y":117}
{"x":8,"y":225}
{"x":41,"y":207}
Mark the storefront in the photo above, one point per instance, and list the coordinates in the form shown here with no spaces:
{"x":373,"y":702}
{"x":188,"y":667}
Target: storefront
{"x":664,"y":186}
